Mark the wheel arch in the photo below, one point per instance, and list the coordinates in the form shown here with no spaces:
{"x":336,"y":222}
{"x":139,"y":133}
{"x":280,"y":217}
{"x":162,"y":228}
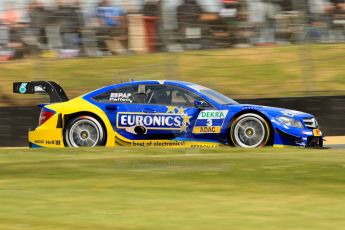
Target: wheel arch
{"x":270,"y":141}
{"x":68,"y":117}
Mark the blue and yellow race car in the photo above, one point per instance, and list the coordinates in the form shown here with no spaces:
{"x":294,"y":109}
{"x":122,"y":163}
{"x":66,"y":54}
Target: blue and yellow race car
{"x":163,"y":114}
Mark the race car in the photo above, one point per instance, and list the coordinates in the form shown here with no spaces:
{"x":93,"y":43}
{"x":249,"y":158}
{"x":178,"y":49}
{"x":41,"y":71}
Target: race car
{"x":156,"y":113}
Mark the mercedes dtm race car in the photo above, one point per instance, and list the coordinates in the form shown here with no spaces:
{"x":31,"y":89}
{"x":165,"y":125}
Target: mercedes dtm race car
{"x":163,"y":114}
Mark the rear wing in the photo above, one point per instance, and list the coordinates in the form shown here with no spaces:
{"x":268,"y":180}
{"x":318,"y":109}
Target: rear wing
{"x":55,"y":91}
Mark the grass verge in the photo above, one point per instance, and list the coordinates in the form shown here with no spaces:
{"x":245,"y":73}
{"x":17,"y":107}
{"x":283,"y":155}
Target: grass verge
{"x":128,"y":188}
{"x":239,"y":73}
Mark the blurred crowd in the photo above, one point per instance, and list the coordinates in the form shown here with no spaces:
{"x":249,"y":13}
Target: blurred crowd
{"x":65,"y":29}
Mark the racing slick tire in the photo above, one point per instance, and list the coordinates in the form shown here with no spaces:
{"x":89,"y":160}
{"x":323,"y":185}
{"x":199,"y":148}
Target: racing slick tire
{"x":250,"y":130}
{"x":84,"y":131}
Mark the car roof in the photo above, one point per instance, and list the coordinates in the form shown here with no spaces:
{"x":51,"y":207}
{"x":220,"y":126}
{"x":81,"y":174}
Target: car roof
{"x":163,"y":82}
{"x":183,"y":84}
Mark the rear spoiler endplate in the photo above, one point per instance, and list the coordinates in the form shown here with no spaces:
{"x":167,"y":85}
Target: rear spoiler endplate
{"x":55,"y":91}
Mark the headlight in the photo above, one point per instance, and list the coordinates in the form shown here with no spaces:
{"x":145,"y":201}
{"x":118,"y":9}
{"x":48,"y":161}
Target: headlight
{"x":290,"y":122}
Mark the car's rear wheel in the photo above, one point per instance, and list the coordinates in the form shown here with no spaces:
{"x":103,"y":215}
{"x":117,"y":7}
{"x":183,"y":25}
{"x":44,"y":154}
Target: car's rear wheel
{"x":84,"y":131}
{"x":250,"y":131}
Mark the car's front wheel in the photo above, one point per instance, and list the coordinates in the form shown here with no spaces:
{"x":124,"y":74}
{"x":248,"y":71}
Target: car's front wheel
{"x":84,"y":131}
{"x":250,"y":131}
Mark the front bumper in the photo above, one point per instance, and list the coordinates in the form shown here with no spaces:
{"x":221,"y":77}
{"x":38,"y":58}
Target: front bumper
{"x":314,"y":142}
{"x":303,"y":138}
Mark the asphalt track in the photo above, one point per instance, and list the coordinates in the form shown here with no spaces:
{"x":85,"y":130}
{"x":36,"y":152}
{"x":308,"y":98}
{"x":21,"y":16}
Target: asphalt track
{"x":335,"y":146}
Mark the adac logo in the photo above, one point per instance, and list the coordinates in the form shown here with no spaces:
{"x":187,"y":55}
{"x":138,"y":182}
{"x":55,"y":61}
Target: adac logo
{"x":22,"y":88}
{"x":175,"y":118}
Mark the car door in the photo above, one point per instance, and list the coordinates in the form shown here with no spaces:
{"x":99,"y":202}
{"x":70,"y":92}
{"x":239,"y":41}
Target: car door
{"x":118,"y":104}
{"x":172,"y":110}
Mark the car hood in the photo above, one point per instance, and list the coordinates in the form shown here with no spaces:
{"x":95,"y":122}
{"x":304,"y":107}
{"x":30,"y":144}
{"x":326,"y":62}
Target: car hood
{"x":272,"y":111}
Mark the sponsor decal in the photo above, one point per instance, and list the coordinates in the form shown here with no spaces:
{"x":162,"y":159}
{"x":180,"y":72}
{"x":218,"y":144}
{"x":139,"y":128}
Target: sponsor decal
{"x":210,"y":121}
{"x":206,"y":129}
{"x":170,"y":121}
{"x":317,"y":132}
{"x":174,"y":119}
{"x":48,"y":142}
{"x":53,"y":142}
{"x":252,"y":107}
{"x":22,"y":88}
{"x":159,"y":143}
{"x":175,"y":144}
{"x":39,"y":141}
{"x":121,"y":97}
{"x":213,"y":114}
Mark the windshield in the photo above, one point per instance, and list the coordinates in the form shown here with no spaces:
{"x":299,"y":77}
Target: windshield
{"x":218,"y":97}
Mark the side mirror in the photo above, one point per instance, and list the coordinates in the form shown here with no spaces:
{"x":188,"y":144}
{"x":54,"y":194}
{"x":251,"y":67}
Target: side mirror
{"x":200,"y":104}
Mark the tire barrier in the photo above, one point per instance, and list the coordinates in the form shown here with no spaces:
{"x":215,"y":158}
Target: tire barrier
{"x":330,"y":112}
{"x":15,"y":123}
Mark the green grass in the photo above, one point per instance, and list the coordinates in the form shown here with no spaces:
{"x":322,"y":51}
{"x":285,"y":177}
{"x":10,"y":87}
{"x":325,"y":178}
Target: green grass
{"x":124,"y":188}
{"x":240,"y":73}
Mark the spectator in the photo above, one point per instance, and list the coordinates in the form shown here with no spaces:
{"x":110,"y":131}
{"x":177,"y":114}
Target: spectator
{"x":11,"y":16}
{"x":37,"y":16}
{"x":71,"y":24}
{"x":337,"y":20}
{"x":5,"y":54}
{"x":316,"y":20}
{"x":11,"y":19}
{"x":256,"y":19}
{"x":113,"y":27}
{"x":230,"y":16}
{"x":286,"y":5}
{"x":62,"y":27}
{"x":188,"y":14}
{"x":244,"y":30}
{"x":4,"y":32}
{"x":53,"y":26}
{"x":152,"y":8}
{"x":152,"y":17}
{"x":288,"y":26}
{"x":189,"y":23}
{"x":271,"y":10}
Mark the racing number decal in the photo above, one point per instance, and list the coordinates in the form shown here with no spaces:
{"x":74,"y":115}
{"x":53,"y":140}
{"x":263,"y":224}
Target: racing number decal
{"x":210,"y":121}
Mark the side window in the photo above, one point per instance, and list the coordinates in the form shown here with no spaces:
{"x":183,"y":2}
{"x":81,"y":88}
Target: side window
{"x":158,"y":95}
{"x":170,"y":95}
{"x":182,"y":98}
{"x":125,"y":95}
